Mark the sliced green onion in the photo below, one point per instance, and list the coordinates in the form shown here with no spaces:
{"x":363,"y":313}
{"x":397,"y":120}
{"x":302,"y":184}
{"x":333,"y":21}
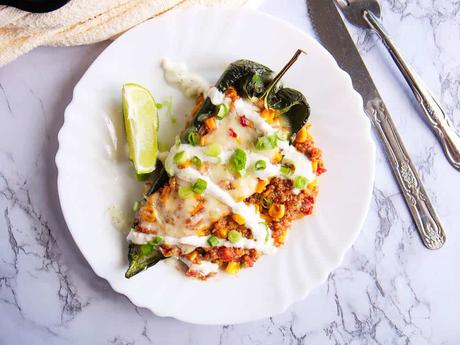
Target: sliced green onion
{"x":258,"y":83}
{"x":136,"y":206}
{"x":238,"y":160}
{"x":266,"y":202}
{"x":267,"y":142}
{"x":192,"y":137}
{"x":300,"y":182}
{"x":146,"y":249}
{"x":281,"y":135}
{"x":267,"y":229}
{"x":180,"y":157}
{"x":213,"y":241}
{"x":222,"y":111}
{"x":157,"y":240}
{"x":285,"y":170}
{"x":260,"y":165}
{"x":196,"y":161}
{"x":234,"y":236}
{"x":199,"y":186}
{"x":213,"y":150}
{"x":185,"y":192}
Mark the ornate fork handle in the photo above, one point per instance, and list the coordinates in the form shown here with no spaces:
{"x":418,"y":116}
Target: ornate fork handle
{"x":436,"y":117}
{"x":423,"y":213}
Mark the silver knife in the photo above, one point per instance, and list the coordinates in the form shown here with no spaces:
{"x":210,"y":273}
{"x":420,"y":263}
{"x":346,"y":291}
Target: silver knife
{"x":335,"y":37}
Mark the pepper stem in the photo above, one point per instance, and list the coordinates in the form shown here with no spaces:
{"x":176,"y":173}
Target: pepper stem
{"x":281,"y":74}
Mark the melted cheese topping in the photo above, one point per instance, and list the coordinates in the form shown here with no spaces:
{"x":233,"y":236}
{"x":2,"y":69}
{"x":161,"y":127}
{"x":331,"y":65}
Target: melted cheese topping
{"x":219,"y":177}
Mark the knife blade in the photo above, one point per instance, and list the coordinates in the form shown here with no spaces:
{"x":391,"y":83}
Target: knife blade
{"x":335,"y":37}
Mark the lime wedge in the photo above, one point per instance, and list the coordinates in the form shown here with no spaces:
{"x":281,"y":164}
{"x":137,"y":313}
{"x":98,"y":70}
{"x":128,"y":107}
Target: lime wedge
{"x":140,"y":114}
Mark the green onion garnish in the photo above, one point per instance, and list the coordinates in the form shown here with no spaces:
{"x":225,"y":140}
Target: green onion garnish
{"x":192,"y":137}
{"x":146,"y":249}
{"x":258,"y":83}
{"x":285,"y":170}
{"x":180,"y":157}
{"x":234,"y":236}
{"x":267,"y":142}
{"x":222,"y":111}
{"x":213,"y":150}
{"x":213,"y":241}
{"x":300,"y":182}
{"x":267,"y":229}
{"x":260,"y":165}
{"x":185,"y":192}
{"x":266,"y":202}
{"x":157,"y":240}
{"x":199,"y":186}
{"x":196,"y":161}
{"x":281,"y":135}
{"x":136,"y":206}
{"x":238,"y":160}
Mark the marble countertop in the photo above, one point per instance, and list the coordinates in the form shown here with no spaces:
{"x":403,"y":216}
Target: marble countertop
{"x":389,"y":289}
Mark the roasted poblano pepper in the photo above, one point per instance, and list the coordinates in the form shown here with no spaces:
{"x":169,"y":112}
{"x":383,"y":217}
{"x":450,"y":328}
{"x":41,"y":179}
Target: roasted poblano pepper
{"x":251,"y":80}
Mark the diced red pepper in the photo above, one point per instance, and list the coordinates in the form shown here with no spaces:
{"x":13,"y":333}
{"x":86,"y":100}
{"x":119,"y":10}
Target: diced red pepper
{"x":226,"y":254}
{"x":244,"y":121}
{"x":232,"y":133}
{"x":320,"y":170}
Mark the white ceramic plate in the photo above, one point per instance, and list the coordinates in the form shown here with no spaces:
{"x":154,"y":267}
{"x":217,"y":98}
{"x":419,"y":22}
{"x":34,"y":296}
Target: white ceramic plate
{"x":95,"y":175}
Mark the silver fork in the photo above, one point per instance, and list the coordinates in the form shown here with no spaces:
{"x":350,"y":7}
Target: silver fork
{"x":366,"y":14}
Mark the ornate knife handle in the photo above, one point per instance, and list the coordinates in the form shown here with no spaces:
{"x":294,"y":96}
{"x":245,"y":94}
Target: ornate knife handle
{"x":423,"y":213}
{"x":436,"y":117}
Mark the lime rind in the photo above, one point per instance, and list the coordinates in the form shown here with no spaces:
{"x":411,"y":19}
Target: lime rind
{"x":140,"y":115}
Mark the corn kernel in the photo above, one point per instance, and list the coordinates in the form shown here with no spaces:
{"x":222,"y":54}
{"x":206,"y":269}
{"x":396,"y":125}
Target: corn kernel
{"x":238,"y":218}
{"x":281,"y":238}
{"x":210,"y":123}
{"x":203,"y":141}
{"x":302,"y":135}
{"x":192,"y":256}
{"x":261,"y":184}
{"x":312,"y":185}
{"x":268,"y":115}
{"x":149,"y":215}
{"x":277,"y":157}
{"x":277,"y":211}
{"x":185,"y":164}
{"x":201,"y":232}
{"x":165,"y":194}
{"x":314,"y":165}
{"x":221,"y":233}
{"x":265,"y":217}
{"x":233,"y":267}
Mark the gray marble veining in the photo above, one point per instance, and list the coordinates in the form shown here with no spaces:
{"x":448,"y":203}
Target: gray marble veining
{"x":389,"y":289}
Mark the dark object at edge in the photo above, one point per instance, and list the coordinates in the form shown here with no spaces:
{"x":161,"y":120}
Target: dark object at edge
{"x":35,"y":6}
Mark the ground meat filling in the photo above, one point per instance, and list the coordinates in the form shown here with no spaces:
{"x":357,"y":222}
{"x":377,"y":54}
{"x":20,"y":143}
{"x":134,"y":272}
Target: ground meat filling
{"x":280,"y":191}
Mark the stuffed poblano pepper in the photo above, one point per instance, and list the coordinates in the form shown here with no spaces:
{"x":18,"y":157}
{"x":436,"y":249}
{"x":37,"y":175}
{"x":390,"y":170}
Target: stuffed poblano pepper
{"x":228,"y":190}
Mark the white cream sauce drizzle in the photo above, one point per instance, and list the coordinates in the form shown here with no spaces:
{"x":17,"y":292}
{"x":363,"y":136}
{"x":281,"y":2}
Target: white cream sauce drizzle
{"x":192,"y":85}
{"x":204,"y":268}
{"x":252,"y":219}
{"x":201,"y":241}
